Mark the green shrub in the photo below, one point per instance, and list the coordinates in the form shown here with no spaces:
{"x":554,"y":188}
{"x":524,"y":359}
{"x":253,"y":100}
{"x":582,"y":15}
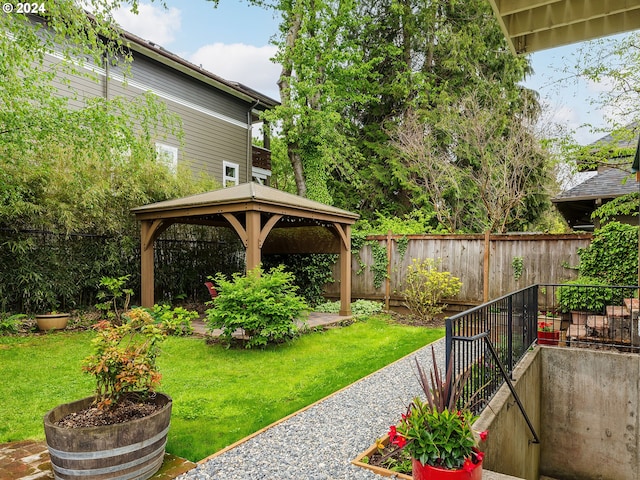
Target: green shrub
{"x":427,"y":286}
{"x":10,"y":323}
{"x":311,"y":272}
{"x":359,"y":308}
{"x":612,"y":255}
{"x":264,"y":305}
{"x":116,"y":297}
{"x":575,"y":296}
{"x":175,"y":321}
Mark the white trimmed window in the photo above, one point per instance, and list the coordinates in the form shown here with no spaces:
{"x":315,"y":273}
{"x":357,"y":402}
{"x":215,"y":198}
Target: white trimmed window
{"x":230,"y":174}
{"x":168,"y":156}
{"x":260,"y":175}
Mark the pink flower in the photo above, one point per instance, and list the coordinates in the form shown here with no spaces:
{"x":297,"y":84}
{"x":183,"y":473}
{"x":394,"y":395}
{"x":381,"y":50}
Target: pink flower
{"x":392,"y":433}
{"x":483,"y":435}
{"x":468,"y":466}
{"x":479,"y":456}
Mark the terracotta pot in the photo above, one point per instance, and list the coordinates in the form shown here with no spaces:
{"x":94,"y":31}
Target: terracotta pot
{"x":427,"y":472}
{"x":52,"y":321}
{"x":124,"y":451}
{"x":548,"y":338}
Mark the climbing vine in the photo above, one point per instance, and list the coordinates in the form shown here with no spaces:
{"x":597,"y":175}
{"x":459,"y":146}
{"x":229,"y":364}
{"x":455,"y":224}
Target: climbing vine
{"x":517,"y":263}
{"x":403,"y":244}
{"x":380,"y":262}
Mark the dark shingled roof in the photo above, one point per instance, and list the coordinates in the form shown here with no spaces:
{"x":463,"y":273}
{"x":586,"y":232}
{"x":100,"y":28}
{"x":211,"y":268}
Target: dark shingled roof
{"x":608,"y":184}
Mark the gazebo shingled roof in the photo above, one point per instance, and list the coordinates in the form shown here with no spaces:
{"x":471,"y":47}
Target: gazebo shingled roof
{"x":253,"y":211}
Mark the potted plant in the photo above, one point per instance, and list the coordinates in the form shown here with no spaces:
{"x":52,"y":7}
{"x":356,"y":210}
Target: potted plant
{"x":581,"y":296}
{"x":123,"y":428}
{"x":52,"y":320}
{"x":437,"y":433}
{"x":547,"y":334}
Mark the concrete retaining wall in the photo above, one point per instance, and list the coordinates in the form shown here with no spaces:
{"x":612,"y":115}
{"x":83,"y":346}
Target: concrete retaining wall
{"x":590,"y":423}
{"x":509,"y":448}
{"x":584,"y":405}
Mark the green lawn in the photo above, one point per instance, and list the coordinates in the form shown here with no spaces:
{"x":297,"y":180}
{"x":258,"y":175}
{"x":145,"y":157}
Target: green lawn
{"x":219,"y":395}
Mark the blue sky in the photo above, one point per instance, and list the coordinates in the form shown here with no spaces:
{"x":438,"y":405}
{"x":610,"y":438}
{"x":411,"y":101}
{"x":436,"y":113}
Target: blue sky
{"x":232,"y":41}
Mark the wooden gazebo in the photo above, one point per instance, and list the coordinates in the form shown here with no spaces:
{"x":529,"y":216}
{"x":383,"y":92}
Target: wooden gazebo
{"x":266,"y":220}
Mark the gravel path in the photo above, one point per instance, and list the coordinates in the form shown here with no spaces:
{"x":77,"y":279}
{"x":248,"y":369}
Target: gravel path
{"x":320,"y":442}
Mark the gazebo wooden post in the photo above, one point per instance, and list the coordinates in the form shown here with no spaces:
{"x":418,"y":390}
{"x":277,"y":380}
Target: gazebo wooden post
{"x":146,"y":264}
{"x":345,"y":272}
{"x":253,"y":256}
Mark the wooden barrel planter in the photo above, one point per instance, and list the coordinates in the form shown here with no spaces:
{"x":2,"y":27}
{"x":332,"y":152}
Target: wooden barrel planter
{"x":129,"y":450}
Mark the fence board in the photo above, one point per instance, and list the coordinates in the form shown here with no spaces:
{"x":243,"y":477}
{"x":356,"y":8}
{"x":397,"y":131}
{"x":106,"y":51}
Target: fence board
{"x":545,"y":257}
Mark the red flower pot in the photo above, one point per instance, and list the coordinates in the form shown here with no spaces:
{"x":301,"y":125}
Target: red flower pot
{"x":427,"y":472}
{"x":548,"y":338}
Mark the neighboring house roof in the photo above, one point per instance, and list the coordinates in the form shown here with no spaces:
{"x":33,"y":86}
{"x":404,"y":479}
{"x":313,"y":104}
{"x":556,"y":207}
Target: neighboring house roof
{"x":614,"y":180}
{"x":608,"y":184}
{"x":578,"y":203}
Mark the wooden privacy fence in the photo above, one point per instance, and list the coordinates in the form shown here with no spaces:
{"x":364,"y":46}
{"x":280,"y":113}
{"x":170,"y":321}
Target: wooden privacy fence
{"x":484,"y":263}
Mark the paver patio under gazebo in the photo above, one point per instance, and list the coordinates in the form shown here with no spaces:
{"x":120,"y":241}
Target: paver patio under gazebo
{"x":266,"y":220}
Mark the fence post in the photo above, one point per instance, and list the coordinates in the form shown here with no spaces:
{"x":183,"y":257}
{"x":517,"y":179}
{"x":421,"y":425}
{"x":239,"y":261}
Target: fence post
{"x":387,"y":286}
{"x":487,"y":258}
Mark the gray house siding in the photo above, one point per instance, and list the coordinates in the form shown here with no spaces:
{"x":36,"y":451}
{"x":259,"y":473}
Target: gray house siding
{"x":214,"y":120}
{"x":158,"y":78}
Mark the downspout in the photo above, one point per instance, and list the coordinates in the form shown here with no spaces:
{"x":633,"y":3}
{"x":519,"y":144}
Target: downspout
{"x":250,"y":143}
{"x":106,"y":77}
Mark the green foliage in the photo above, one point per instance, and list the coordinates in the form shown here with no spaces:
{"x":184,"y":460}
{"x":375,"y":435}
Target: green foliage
{"x":517,"y":263}
{"x":43,"y":271}
{"x":438,"y":438}
{"x":116,"y":297}
{"x":10,"y":323}
{"x":426,"y":286}
{"x":403,"y":244}
{"x":437,"y":431}
{"x":174,"y":321}
{"x":264,"y":305}
{"x":613,"y":61}
{"x":359,"y":308}
{"x":380,"y":262}
{"x":68,"y":162}
{"x":416,"y":222}
{"x":584,"y":294}
{"x":625,"y":205}
{"x":311,"y":272}
{"x":124,"y":358}
{"x":612,"y":255}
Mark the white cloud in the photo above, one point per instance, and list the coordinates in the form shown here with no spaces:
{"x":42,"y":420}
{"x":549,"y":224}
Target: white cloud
{"x":152,"y":22}
{"x":241,"y":63}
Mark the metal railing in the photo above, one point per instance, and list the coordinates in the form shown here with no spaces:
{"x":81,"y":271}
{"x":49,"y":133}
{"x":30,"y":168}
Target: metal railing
{"x":489,"y":340}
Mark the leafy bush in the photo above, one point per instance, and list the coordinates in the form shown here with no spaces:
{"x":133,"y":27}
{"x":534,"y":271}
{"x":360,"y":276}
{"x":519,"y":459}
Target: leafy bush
{"x":576,"y":296}
{"x":359,"y":308}
{"x":10,"y":323}
{"x":311,"y":272}
{"x":116,"y":297}
{"x":612,"y":255}
{"x":264,"y":305}
{"x":175,"y":321}
{"x":124,"y":358}
{"x":426,"y":286}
